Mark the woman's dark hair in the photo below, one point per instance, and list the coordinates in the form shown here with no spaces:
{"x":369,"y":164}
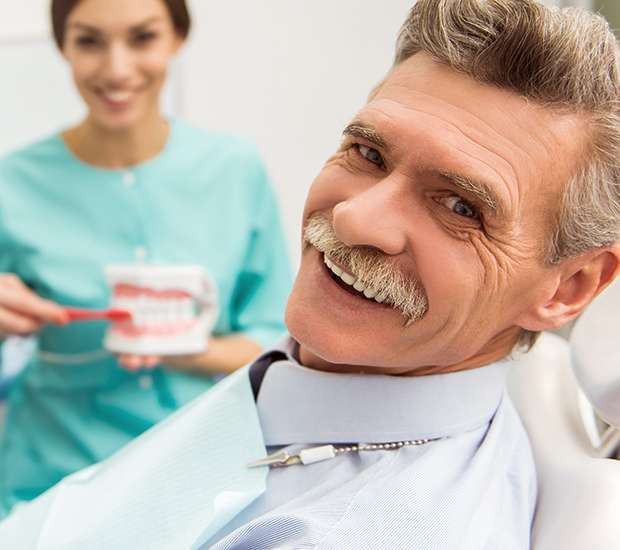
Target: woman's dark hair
{"x":62,"y":8}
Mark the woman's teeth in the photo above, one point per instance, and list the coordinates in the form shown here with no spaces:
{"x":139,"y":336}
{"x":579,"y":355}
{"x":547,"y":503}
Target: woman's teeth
{"x":117,"y":97}
{"x":347,"y":278}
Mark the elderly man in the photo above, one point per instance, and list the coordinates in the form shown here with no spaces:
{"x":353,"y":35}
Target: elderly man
{"x":474,"y":202}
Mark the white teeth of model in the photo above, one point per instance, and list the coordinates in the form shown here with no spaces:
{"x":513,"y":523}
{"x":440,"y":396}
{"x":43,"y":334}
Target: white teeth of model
{"x":359,"y":286}
{"x":138,"y":319}
{"x":151,"y":313}
{"x":121,"y":303}
{"x":370,"y":292}
{"x":327,"y":261}
{"x":188,"y":308}
{"x":176,"y":310}
{"x":141,"y":313}
{"x":172,"y":311}
{"x":166,"y":311}
{"x":169,"y":313}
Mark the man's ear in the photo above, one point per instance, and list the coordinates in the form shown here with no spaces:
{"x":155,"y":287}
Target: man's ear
{"x":581,"y":280}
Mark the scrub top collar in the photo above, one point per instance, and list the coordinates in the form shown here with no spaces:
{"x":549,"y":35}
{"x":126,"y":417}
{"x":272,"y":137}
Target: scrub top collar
{"x":301,"y":405}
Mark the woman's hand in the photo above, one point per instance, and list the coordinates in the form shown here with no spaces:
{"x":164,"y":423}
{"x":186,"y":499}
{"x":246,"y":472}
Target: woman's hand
{"x":134,"y":363}
{"x":23,"y":312}
{"x":224,"y":355}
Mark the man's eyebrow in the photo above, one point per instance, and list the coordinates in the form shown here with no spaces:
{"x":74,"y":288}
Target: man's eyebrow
{"x":364,"y":131}
{"x":480,"y":189}
{"x":484,"y":192}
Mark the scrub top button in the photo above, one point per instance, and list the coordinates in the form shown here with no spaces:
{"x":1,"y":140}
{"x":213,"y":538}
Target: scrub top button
{"x":140,"y":253}
{"x":145,"y":381}
{"x":129,"y":178}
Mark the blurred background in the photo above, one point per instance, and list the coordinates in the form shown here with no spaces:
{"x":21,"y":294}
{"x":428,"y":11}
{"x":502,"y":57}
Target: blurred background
{"x":286,"y":74}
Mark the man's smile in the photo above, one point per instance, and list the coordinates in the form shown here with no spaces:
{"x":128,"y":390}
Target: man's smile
{"x":366,"y":273}
{"x":353,"y":285}
{"x":340,"y":300}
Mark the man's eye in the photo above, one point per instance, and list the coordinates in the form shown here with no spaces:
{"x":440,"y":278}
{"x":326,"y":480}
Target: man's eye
{"x":460,"y":207}
{"x":370,"y":154}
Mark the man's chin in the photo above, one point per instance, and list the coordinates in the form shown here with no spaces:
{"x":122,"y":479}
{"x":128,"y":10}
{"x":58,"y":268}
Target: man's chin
{"x":324,"y":350}
{"x":319,"y":346}
{"x":322,"y":359}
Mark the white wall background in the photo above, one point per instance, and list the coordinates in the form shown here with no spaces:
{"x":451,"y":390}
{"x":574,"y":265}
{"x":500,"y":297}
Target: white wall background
{"x":35,"y":96}
{"x":288,"y":74}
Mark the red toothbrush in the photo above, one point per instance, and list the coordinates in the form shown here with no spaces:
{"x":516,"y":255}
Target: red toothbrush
{"x":76,"y":314}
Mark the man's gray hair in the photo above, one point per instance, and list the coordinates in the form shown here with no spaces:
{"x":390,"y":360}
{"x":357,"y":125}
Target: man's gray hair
{"x":565,"y":59}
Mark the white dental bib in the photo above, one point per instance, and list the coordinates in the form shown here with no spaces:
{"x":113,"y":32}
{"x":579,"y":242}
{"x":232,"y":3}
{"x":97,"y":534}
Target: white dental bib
{"x":171,"y":488}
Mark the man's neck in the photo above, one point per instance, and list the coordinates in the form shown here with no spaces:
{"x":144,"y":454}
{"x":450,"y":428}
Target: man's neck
{"x":496,"y":349}
{"x":115,"y":149}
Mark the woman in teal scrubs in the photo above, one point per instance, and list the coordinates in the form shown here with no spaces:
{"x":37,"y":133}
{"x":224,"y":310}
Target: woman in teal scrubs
{"x":125,"y":185}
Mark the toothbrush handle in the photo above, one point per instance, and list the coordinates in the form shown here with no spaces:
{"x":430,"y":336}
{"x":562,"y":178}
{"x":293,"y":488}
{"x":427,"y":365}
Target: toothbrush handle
{"x":76,"y":314}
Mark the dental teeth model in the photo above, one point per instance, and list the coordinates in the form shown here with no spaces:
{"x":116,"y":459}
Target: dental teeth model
{"x":173,"y":309}
{"x":154,"y":312}
{"x":350,"y":280}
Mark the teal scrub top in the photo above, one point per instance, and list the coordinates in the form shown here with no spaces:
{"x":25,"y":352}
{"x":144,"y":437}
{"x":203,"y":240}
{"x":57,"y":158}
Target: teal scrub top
{"x":205,"y":199}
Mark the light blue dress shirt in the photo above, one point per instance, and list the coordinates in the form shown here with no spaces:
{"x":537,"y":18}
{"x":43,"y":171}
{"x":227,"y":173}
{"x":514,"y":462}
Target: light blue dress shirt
{"x":185,"y":484}
{"x":474,"y":489}
{"x":205,"y":199}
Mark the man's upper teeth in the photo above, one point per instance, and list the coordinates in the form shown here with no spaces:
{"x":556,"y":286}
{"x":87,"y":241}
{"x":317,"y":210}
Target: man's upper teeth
{"x":380,"y":297}
{"x":369,"y":292}
{"x":347,"y":278}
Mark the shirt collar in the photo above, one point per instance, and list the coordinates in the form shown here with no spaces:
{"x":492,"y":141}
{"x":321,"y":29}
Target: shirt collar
{"x":301,"y":405}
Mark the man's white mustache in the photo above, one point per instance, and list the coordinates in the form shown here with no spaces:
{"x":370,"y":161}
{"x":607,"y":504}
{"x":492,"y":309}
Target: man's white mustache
{"x":373,"y":268}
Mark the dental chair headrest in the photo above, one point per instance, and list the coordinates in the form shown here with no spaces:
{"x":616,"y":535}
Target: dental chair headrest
{"x":595,"y":349}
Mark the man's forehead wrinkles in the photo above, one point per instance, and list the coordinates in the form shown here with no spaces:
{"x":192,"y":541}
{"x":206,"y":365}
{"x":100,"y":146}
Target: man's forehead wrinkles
{"x":397,"y":125}
{"x":499,"y":141}
{"x":442,"y":107}
{"x":477,"y":186}
{"x":484,"y":192}
{"x":502,"y":207}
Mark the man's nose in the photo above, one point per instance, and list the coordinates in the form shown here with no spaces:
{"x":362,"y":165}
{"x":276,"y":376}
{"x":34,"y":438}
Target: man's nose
{"x":372,"y":218}
{"x":118,"y":63}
